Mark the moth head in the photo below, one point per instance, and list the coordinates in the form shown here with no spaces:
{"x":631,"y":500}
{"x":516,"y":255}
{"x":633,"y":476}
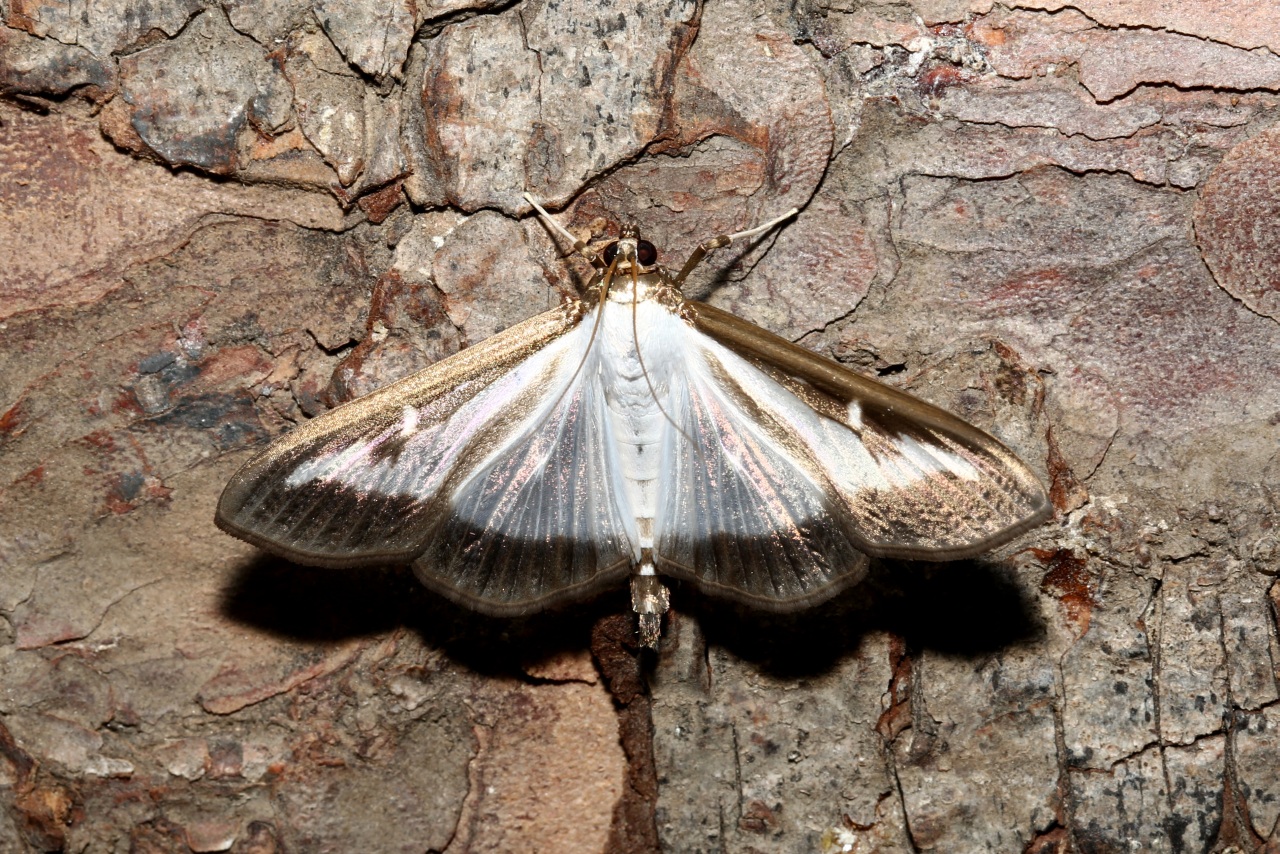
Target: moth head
{"x":632,"y":249}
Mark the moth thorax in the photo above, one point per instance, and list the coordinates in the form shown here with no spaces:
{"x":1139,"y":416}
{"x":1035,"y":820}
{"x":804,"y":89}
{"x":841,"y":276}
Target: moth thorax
{"x":645,"y":287}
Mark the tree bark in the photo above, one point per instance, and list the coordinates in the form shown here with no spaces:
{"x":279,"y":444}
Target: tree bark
{"x":1059,"y":223}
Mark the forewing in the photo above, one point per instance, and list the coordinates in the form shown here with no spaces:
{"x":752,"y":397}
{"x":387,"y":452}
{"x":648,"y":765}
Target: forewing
{"x":916,"y":481}
{"x":741,"y":513}
{"x":363,"y":484}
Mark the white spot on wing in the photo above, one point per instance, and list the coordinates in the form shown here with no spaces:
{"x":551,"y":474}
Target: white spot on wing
{"x":409,"y":423}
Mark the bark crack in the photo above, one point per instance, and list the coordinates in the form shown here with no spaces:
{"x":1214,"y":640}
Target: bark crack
{"x":72,"y":641}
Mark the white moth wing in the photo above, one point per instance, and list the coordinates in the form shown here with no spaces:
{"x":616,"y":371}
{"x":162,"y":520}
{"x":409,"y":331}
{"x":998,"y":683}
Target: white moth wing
{"x":405,"y":474}
{"x":544,"y":516}
{"x":742,"y":511}
{"x":411,"y":456}
{"x":913,"y":480}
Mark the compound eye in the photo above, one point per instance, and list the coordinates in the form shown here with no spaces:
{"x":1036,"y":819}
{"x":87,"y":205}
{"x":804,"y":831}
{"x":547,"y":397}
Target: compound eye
{"x":646,"y":253}
{"x":610,"y":252}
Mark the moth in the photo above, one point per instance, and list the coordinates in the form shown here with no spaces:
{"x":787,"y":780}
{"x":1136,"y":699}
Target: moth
{"x":636,"y":434}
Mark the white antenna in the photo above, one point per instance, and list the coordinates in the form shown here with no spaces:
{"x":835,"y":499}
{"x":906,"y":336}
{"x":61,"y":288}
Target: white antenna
{"x":557,"y":227}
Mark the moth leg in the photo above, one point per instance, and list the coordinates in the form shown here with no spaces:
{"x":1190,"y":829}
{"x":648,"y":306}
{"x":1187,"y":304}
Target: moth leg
{"x":579,"y":246}
{"x":650,"y":599}
{"x":708,"y":246}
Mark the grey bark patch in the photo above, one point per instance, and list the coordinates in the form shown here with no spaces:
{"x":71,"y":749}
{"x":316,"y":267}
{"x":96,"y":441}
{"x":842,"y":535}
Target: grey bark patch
{"x":193,"y":96}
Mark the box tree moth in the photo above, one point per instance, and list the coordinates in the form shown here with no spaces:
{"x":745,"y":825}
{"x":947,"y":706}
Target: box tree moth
{"x":633,"y":433}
